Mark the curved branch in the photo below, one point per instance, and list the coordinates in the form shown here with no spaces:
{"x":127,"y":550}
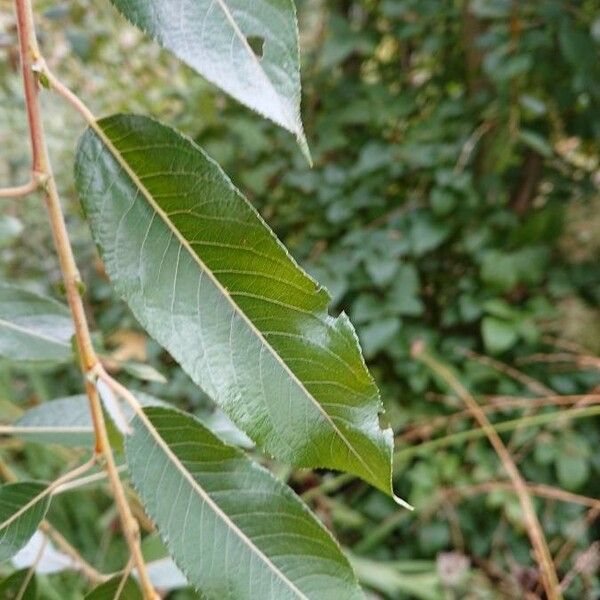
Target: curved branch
{"x":32,"y":61}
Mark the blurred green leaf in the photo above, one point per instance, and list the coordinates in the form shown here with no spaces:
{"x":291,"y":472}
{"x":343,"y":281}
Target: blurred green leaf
{"x":227,"y":538}
{"x":33,"y":328}
{"x":22,"y":507}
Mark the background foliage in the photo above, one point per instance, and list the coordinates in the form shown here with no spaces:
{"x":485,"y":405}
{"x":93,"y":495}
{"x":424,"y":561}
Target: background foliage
{"x":454,"y":199}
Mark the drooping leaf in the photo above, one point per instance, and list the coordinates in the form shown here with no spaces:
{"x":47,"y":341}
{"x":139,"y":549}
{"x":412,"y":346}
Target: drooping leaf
{"x":116,"y":589}
{"x":207,"y":278}
{"x":33,"y":327}
{"x":19,"y":585}
{"x":22,"y":507}
{"x":249,"y":48}
{"x":231,"y":527}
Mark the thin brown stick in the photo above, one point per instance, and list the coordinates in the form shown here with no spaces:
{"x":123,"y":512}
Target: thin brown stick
{"x":31,"y":61}
{"x":495,"y":404}
{"x":93,"y":575}
{"x":20,"y":190}
{"x":534,"y":530}
{"x":538,"y":388}
{"x":537,"y":489}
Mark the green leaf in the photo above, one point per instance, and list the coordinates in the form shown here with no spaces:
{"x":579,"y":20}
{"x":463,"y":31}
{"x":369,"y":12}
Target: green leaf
{"x":207,"y":278}
{"x":33,"y":327}
{"x":19,"y":585}
{"x":116,"y":589}
{"x":232,"y":528}
{"x":67,"y":421}
{"x":498,"y":335}
{"x":23,"y":505}
{"x":249,"y":48}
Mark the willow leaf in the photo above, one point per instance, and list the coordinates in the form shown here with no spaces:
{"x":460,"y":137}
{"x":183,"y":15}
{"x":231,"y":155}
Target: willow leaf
{"x":215,"y":38}
{"x":209,"y":280}
{"x":65,"y":421}
{"x":22,"y":507}
{"x":33,"y":327}
{"x":232,"y":528}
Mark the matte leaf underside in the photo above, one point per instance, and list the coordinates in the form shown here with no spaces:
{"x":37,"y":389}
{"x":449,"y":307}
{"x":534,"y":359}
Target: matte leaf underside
{"x":21,"y":511}
{"x":208,"y":279}
{"x":215,"y":38}
{"x":68,"y":422}
{"x":205,"y":495}
{"x":33,"y":327}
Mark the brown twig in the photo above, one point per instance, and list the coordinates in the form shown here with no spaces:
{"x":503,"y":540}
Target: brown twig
{"x":20,"y":190}
{"x":421,"y":431}
{"x":88,"y":570}
{"x":538,"y":388}
{"x":537,"y":489}
{"x":534,"y":530}
{"x":32,"y":62}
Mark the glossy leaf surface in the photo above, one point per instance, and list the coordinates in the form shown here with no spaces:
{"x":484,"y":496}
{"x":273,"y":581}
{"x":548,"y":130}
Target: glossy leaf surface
{"x":232,"y":527}
{"x":33,"y":327}
{"x":209,"y":280}
{"x":21,"y":511}
{"x":249,"y":48}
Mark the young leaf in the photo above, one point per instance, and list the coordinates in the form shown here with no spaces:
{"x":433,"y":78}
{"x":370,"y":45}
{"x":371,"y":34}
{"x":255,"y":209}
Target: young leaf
{"x":209,"y":280}
{"x":249,"y":48}
{"x":33,"y":327}
{"x":231,"y":526}
{"x":116,"y":589}
{"x":22,"y":507}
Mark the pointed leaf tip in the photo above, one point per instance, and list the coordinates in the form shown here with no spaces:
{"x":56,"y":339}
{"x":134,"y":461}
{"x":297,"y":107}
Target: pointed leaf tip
{"x":215,"y":37}
{"x":208,"y":279}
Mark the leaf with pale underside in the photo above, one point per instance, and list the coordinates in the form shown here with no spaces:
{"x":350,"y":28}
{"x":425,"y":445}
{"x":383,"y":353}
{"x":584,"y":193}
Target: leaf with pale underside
{"x":68,"y":422}
{"x":23,"y":505}
{"x":33,"y":328}
{"x":65,"y":421}
{"x":209,"y":280}
{"x":232,"y":528}
{"x":249,"y":48}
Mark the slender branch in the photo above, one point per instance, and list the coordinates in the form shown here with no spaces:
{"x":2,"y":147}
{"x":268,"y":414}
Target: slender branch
{"x":88,"y":570}
{"x":48,"y":491}
{"x":554,"y":418}
{"x":92,"y":574}
{"x":20,"y":190}
{"x":32,"y":569}
{"x":534,"y":530}
{"x":537,"y":489}
{"x":31,"y":62}
{"x":83,"y":481}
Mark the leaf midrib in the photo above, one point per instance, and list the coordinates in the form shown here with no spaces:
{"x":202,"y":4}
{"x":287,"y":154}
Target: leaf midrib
{"x":212,"y":504}
{"x":175,"y":231}
{"x":248,"y":48}
{"x":29,"y":332}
